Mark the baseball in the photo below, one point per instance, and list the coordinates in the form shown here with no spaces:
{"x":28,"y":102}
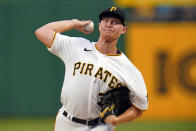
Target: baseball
{"x":89,"y":27}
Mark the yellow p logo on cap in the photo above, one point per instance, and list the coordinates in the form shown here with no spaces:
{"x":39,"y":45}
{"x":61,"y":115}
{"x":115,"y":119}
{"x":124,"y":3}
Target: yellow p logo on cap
{"x":113,"y":8}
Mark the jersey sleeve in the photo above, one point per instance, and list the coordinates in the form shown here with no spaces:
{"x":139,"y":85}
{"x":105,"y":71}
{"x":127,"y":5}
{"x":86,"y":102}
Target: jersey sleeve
{"x":139,"y":96}
{"x":63,"y":46}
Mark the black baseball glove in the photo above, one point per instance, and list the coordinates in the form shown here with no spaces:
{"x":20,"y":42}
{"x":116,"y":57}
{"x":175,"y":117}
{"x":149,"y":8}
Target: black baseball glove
{"x":114,"y":102}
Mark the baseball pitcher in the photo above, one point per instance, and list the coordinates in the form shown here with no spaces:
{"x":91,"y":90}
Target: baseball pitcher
{"x":102,"y":88}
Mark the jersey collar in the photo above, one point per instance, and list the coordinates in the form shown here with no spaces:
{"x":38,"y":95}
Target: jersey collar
{"x":118,"y":53}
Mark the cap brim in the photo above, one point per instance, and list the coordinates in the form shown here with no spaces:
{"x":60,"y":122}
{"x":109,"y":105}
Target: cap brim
{"x":111,"y":14}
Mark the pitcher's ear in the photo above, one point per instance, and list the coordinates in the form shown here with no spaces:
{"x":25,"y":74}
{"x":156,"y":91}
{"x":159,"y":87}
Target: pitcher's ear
{"x":124,"y":30}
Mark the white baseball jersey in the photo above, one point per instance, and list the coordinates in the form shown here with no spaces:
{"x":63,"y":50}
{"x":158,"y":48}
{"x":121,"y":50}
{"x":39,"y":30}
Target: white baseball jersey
{"x":89,"y":72}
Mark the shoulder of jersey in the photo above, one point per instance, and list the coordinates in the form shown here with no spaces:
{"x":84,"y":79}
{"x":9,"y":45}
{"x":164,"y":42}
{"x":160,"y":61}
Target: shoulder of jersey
{"x":129,"y":65}
{"x":83,"y":41}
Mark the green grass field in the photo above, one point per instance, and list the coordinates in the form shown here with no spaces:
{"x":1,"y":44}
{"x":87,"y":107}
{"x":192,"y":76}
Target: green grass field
{"x":47,"y":124}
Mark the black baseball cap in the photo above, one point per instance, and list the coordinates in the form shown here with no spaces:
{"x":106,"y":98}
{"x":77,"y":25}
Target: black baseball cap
{"x":113,"y":12}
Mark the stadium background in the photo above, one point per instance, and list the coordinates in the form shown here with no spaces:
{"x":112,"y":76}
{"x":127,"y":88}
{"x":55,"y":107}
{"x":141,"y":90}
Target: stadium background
{"x":160,"y":41}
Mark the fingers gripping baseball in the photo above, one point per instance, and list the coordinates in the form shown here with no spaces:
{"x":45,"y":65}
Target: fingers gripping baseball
{"x":89,"y":27}
{"x":86,"y":27}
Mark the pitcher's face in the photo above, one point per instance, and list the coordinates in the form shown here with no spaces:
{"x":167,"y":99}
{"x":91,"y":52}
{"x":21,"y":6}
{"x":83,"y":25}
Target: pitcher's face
{"x":111,"y":28}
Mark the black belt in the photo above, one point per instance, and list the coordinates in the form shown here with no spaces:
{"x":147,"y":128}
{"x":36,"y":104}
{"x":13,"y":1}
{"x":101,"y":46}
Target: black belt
{"x":92,"y":122}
